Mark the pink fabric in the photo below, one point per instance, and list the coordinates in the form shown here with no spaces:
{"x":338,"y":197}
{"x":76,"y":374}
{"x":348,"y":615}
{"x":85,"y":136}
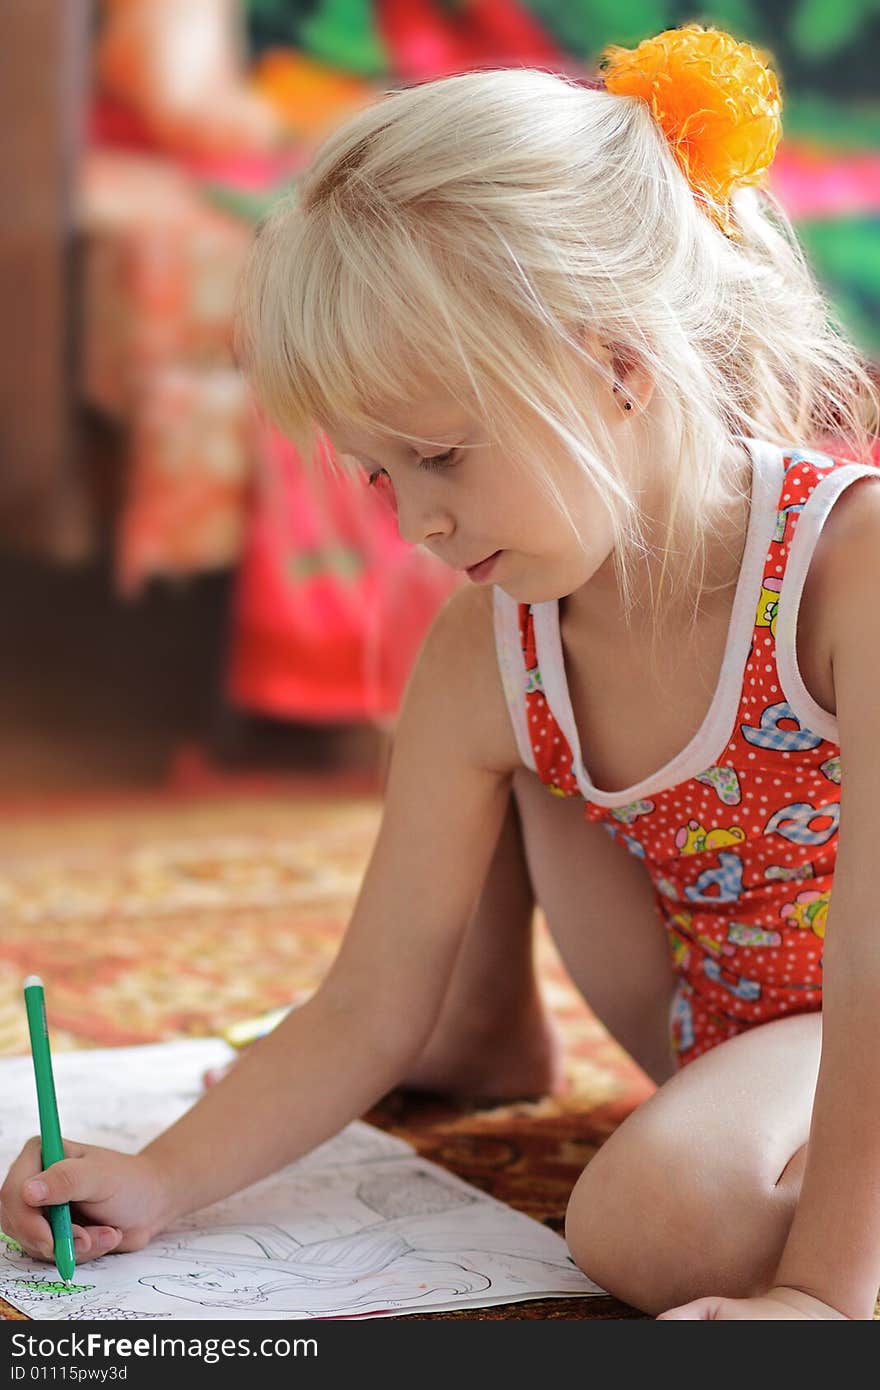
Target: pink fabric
{"x":812,"y":183}
{"x":331,"y":606}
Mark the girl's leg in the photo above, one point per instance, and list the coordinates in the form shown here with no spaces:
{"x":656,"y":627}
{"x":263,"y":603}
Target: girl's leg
{"x":601,"y":909}
{"x":494,"y":1036}
{"x":694,"y":1193}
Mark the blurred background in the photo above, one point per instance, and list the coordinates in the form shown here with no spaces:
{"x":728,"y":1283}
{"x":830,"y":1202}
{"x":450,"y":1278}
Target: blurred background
{"x":180,"y":605}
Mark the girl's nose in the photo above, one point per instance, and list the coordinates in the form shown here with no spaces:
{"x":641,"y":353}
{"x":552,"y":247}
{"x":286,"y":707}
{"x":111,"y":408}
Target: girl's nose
{"x":419,"y":522}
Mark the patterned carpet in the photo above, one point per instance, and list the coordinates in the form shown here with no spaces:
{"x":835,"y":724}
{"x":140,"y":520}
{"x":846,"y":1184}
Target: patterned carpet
{"x":166,"y":919}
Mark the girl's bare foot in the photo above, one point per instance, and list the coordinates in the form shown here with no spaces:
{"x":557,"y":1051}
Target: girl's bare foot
{"x":494,"y":1061}
{"x":489,"y":1063}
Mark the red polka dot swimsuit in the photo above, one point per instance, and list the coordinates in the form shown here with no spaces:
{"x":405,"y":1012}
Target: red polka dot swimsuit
{"x":739,"y":830}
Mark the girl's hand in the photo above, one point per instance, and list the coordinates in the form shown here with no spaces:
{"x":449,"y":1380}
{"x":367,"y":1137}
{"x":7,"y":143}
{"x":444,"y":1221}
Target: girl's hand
{"x":116,"y":1200}
{"x":775,"y":1305}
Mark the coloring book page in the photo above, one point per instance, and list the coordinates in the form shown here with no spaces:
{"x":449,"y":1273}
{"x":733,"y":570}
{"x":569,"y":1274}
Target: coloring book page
{"x":360,"y":1226}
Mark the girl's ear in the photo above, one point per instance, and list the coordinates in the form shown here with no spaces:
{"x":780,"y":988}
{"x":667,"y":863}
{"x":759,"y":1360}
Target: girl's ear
{"x":631,"y":376}
{"x":623,"y":366}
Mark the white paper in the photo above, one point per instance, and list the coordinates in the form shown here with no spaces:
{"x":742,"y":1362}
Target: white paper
{"x":360,"y":1226}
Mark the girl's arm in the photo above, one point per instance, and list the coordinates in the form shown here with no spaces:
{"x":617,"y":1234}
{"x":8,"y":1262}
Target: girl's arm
{"x":334,"y":1057}
{"x":831,"y":1261}
{"x":833,"y":1248}
{"x":331,"y":1059}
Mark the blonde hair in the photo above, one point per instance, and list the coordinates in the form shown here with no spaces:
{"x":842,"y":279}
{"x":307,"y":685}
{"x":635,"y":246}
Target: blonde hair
{"x":466,"y":231}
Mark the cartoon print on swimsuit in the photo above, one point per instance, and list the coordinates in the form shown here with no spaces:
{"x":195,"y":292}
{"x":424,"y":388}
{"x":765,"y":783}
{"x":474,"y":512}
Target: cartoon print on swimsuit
{"x":533,"y":672}
{"x":789,"y":872}
{"x":740,"y":958}
{"x":726,"y":876}
{"x":768,"y":604}
{"x":745,"y":934}
{"x":770,"y":734}
{"x":688,"y":935}
{"x":685,"y":937}
{"x":809,"y":911}
{"x":683,"y":1026}
{"x":794,"y":822}
{"x":629,"y":814}
{"x":725,"y":782}
{"x":681,"y":1020}
{"x":635,"y":847}
{"x":739,"y":985}
{"x":694,"y":838}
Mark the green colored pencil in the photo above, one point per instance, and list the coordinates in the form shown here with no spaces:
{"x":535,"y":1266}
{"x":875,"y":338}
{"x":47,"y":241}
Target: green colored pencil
{"x":50,"y":1129}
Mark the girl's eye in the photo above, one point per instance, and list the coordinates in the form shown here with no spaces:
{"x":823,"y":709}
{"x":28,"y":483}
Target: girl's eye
{"x":380,"y":480}
{"x":435,"y":461}
{"x":438,"y":460}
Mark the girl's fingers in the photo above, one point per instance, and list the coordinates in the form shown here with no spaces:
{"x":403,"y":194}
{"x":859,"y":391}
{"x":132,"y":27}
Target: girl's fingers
{"x":69,"y":1180}
{"x":34,"y":1235}
{"x":31,"y":1150}
{"x":23,"y":1214}
{"x":89,"y":1242}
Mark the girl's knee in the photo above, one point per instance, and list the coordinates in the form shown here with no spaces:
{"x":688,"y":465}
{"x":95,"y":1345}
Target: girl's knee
{"x":615,"y":1203}
{"x":639,"y":1220}
{"x":655,"y":1223}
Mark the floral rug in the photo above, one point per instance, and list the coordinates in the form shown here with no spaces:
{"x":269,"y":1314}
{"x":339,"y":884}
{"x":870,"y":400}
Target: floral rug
{"x":165,"y":919}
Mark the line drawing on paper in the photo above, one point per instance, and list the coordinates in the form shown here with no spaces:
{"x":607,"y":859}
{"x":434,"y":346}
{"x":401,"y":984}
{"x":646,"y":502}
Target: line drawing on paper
{"x":360,"y":1225}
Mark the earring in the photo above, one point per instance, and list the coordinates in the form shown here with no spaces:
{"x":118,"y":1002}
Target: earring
{"x":627,"y":405}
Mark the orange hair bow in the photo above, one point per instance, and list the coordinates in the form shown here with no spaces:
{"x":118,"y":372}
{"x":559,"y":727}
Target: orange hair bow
{"x":717,"y":102}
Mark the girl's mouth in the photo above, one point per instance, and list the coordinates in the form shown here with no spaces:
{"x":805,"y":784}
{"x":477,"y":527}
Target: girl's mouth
{"x":482,"y":570}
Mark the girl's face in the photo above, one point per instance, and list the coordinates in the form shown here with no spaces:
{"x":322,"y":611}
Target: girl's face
{"x":464,"y":499}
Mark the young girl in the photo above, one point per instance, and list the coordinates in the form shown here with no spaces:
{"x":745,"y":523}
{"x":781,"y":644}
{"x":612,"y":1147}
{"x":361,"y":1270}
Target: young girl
{"x":577,"y":345}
